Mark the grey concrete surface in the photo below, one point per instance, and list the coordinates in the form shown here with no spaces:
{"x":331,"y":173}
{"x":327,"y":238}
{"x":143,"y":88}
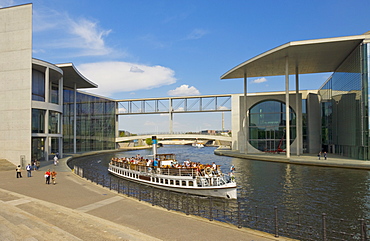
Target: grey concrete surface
{"x":76,"y":209}
{"x":306,"y":159}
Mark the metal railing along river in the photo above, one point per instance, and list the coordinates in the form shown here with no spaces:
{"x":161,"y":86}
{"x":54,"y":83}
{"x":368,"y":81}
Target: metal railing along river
{"x":274,"y":220}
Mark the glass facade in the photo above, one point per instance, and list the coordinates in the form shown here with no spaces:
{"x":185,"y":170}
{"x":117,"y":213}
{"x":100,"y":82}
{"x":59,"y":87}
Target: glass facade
{"x":267,"y":121}
{"x":344,"y":124}
{"x":54,"y":122}
{"x":38,"y":85}
{"x":54,"y":94}
{"x":95,"y":122}
{"x":38,"y":121}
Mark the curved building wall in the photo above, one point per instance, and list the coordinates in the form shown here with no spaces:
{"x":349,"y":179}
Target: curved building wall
{"x":47,"y":109}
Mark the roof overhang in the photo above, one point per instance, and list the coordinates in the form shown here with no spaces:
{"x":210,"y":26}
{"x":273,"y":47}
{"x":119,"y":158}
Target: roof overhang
{"x":309,"y":56}
{"x":72,"y":76}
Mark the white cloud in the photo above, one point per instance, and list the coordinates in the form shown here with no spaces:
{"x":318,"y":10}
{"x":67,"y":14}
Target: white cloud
{"x":258,"y":81}
{"x":197,"y":34}
{"x":114,"y":77}
{"x":184,"y":90}
{"x":82,"y":36}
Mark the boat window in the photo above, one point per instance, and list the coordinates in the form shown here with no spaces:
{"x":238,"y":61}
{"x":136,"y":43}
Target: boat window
{"x":166,"y":181}
{"x":177,"y":182}
{"x":183,"y":183}
{"x":191,"y":183}
{"x":171,"y":182}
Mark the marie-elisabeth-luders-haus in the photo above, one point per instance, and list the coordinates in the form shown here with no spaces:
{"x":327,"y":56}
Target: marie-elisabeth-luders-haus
{"x":43,"y":110}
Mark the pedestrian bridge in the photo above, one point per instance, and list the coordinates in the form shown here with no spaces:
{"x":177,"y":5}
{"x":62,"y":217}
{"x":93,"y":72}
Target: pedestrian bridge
{"x":176,"y":137}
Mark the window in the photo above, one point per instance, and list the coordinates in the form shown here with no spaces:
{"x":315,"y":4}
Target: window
{"x":38,"y":85}
{"x":38,"y":121}
{"x":267,"y":128}
{"x":54,"y":93}
{"x":54,"y":122}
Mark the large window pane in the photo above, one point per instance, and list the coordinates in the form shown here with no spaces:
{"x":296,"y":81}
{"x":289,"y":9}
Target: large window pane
{"x":38,"y":85}
{"x":54,"y":122}
{"x":38,"y":121}
{"x":267,"y":121}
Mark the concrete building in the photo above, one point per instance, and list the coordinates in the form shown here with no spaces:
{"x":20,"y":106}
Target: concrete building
{"x":335,"y":118}
{"x":41,"y":111}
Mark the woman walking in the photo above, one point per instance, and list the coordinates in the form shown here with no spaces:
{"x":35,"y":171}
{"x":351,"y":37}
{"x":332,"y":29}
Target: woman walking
{"x":47,"y":177}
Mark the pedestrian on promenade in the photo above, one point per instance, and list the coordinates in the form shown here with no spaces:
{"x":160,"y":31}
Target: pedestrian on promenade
{"x":29,"y":168}
{"x":53,"y":176}
{"x":325,"y":155}
{"x":319,"y":155}
{"x":18,"y":170}
{"x":47,"y":177}
{"x":37,"y":165}
{"x":55,"y":160}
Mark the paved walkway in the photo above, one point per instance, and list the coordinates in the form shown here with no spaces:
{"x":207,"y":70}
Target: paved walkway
{"x":306,"y":159}
{"x":76,"y":209}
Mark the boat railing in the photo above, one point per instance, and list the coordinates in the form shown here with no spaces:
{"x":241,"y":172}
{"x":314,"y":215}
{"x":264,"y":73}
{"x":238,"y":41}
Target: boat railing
{"x":170,"y":171}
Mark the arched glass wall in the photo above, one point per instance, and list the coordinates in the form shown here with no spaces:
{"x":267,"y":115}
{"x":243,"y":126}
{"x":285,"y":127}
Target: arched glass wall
{"x":267,"y":126}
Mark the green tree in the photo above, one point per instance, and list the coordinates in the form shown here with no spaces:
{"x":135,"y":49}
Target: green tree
{"x":149,"y":141}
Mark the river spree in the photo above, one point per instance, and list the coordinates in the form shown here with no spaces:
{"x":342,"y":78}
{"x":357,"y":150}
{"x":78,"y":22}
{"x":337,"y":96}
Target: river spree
{"x":338,"y":192}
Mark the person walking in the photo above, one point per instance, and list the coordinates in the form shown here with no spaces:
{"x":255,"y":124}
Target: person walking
{"x":325,"y":155}
{"x":55,"y":160}
{"x":53,"y":176}
{"x":29,"y":168}
{"x":319,"y":155}
{"x":47,"y":177}
{"x":18,"y":170}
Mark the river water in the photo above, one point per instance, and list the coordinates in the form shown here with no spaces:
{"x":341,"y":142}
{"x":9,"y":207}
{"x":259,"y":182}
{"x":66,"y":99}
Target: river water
{"x":340,"y":193}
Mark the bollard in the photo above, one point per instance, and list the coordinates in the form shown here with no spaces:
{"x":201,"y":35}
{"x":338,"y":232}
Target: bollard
{"x":363,"y":229}
{"x":276,"y":222}
{"x":187,"y":202}
{"x":110,"y":183}
{"x":210,"y":209}
{"x":324,"y":227}
{"x":139,"y":193}
{"x":239,"y":221}
{"x":168,"y":200}
{"x":153,"y":196}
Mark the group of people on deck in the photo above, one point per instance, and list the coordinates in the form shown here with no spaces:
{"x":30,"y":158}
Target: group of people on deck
{"x":155,"y":163}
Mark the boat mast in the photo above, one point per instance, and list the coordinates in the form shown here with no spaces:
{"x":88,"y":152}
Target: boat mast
{"x":154,"y":144}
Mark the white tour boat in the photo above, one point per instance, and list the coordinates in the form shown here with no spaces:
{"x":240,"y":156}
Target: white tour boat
{"x":198,"y":144}
{"x":165,"y":173}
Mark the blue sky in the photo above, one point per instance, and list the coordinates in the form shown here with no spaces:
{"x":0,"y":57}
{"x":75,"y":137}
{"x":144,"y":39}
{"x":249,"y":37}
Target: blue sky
{"x":157,"y":48}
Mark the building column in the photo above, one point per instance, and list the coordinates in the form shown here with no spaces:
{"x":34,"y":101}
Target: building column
{"x":47,"y":144}
{"x":171,"y":116}
{"x":298,"y":112}
{"x":61,"y":116}
{"x":245,"y":122}
{"x":287,"y":117}
{"x":74,"y":118}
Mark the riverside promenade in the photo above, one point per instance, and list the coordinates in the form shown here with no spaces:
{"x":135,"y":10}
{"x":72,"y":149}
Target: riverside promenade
{"x":77,"y":209}
{"x":306,"y":159}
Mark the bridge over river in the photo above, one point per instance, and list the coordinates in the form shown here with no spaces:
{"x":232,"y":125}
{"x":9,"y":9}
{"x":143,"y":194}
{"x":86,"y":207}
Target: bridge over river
{"x":178,"y":139}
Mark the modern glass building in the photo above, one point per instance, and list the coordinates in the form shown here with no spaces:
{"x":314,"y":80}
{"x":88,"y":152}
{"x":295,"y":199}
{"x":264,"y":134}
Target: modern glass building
{"x":334,"y":118}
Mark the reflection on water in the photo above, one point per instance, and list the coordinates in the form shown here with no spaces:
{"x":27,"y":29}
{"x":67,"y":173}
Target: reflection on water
{"x":338,"y":192}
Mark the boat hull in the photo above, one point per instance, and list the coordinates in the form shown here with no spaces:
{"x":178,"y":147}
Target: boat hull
{"x":227,"y":190}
